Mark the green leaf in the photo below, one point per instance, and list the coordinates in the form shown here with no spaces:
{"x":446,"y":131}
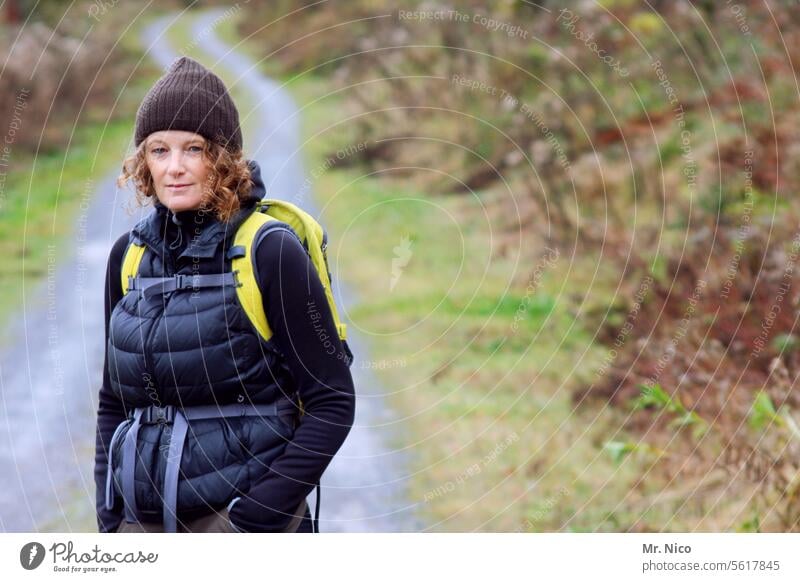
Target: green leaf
{"x":653,"y":396}
{"x":619,"y":450}
{"x":786,"y":342}
{"x":763,"y":412}
{"x":658,"y":268}
{"x":752,"y":525}
{"x":700,"y":429}
{"x":688,"y":418}
{"x":646,"y":23}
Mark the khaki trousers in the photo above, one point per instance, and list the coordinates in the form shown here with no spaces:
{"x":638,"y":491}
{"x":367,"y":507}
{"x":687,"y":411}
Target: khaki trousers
{"x":216,"y":522}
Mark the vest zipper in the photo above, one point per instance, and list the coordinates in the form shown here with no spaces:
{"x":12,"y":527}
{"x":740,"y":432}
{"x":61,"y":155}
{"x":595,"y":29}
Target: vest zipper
{"x":150,"y":370}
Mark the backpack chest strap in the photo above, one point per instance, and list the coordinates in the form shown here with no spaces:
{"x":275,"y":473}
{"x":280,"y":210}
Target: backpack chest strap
{"x":149,"y":286}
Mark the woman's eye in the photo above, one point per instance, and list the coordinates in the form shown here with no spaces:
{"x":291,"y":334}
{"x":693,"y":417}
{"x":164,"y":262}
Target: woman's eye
{"x":195,"y":149}
{"x":157,"y":151}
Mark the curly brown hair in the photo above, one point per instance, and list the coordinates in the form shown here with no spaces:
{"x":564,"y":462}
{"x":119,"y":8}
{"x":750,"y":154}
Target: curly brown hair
{"x":227,"y":186}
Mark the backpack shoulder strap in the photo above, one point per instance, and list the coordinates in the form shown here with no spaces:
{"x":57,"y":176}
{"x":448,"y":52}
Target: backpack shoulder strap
{"x":243,"y":265}
{"x":242,"y":253}
{"x":130,"y":263}
{"x":314,"y":239}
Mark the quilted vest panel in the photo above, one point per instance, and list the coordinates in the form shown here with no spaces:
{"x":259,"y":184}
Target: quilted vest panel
{"x":194,"y":347}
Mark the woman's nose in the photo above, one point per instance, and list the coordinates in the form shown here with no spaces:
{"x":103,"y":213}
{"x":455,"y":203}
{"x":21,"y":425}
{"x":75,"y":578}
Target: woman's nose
{"x":175,"y":163}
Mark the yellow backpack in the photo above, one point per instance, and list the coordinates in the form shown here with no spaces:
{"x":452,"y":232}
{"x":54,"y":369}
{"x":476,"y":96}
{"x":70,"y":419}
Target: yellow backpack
{"x":308,"y":230}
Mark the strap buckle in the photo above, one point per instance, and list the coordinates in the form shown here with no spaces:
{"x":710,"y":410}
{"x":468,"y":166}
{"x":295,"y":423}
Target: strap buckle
{"x":183,"y":281}
{"x":159,"y":414}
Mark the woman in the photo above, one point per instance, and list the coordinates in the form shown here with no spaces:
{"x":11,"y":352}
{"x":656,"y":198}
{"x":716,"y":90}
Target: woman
{"x":198,"y":426}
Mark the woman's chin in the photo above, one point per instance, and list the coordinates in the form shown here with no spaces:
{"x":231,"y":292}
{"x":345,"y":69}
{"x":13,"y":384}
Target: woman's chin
{"x":179,"y":204}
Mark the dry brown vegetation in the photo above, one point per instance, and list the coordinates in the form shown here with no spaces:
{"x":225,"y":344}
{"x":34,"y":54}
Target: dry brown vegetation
{"x":59,"y":64}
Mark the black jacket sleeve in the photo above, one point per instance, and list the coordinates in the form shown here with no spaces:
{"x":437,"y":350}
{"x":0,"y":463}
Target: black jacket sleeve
{"x":110,"y":411}
{"x":304,"y":330}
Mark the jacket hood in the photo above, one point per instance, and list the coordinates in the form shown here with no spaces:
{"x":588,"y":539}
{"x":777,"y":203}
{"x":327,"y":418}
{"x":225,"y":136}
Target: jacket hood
{"x":258,"y":191}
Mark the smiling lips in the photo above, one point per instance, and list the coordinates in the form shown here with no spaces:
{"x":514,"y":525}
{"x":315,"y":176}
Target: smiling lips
{"x":178,"y":186}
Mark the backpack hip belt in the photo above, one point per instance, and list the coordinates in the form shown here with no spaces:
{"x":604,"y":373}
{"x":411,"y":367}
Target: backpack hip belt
{"x":179,"y":418}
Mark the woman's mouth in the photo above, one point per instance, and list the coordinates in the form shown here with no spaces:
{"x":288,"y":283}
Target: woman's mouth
{"x":178,"y":186}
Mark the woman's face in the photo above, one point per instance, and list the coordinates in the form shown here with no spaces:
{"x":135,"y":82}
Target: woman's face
{"x":176,"y":163}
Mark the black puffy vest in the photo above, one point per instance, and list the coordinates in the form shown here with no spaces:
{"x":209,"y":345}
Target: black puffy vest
{"x":194,"y":347}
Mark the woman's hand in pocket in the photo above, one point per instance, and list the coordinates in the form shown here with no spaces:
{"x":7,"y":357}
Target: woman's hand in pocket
{"x":217,"y":522}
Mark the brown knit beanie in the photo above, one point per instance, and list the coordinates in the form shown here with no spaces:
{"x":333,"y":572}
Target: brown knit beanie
{"x":189,"y":97}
